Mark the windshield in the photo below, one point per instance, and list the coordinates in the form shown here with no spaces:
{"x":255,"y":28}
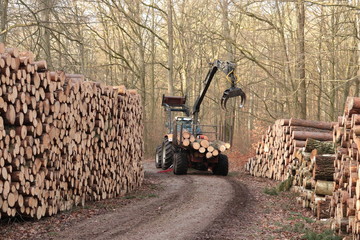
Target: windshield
{"x":187,"y":126}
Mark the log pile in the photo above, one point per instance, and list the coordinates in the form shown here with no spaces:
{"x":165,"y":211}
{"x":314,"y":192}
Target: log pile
{"x":345,"y":204}
{"x":275,"y":154}
{"x":336,"y":195}
{"x":201,"y":145}
{"x":313,"y":176}
{"x":303,"y":151}
{"x":63,"y":140}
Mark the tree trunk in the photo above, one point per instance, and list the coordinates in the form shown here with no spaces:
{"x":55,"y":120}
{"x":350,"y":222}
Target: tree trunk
{"x":46,"y":6}
{"x":300,"y":66}
{"x":152,"y":68}
{"x":288,"y":75}
{"x":333,"y":66}
{"x":230,"y":114}
{"x":82,"y":57}
{"x":357,"y":80}
{"x":3,"y":17}
{"x":170,"y":49}
{"x":319,"y":96}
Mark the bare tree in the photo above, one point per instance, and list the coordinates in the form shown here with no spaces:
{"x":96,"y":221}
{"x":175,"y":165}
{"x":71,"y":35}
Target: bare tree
{"x":3,"y":18}
{"x":170,"y":48}
{"x":300,"y":61}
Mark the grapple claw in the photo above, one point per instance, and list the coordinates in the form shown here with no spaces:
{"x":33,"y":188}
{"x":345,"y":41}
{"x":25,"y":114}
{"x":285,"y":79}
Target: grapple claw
{"x":230,"y":93}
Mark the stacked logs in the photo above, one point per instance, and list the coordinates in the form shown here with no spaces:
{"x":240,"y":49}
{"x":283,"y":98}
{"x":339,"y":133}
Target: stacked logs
{"x":336,"y":195}
{"x":275,"y":154}
{"x":345,"y":204}
{"x":201,"y":145}
{"x":63,"y":140}
{"x":313,"y":176}
{"x":300,"y":151}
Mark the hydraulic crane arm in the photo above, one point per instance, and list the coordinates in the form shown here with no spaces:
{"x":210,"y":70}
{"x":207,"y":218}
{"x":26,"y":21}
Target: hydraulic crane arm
{"x":228,"y":68}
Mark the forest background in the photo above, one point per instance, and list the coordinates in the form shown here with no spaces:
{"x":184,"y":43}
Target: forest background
{"x":294,"y":58}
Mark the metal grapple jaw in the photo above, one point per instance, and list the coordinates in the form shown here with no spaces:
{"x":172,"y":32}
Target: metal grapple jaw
{"x":233,"y":92}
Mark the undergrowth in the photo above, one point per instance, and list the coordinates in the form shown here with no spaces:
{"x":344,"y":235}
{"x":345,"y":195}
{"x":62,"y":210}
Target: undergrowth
{"x":306,"y":233}
{"x":326,"y":235}
{"x":282,"y":187}
{"x":301,"y":226}
{"x":271,"y":191}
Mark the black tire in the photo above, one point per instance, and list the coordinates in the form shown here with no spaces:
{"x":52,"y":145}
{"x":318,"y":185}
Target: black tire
{"x":167,"y":154}
{"x":180,"y":163}
{"x":158,"y":156}
{"x":222,"y":167}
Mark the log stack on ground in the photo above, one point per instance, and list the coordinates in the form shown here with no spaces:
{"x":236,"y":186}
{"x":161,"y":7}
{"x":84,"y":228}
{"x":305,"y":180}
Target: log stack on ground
{"x":311,"y":166}
{"x":64,"y":140}
{"x":291,"y":149}
{"x":313,"y":176}
{"x":345,"y":204}
{"x":275,"y":154}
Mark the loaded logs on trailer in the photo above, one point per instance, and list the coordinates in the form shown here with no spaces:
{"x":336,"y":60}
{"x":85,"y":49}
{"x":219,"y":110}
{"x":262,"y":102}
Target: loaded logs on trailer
{"x":63,"y":140}
{"x":201,"y":145}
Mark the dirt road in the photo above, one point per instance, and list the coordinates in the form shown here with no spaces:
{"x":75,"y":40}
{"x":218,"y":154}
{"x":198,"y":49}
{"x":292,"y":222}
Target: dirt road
{"x":195,"y":206}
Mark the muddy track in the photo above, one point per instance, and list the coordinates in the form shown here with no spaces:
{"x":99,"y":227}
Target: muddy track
{"x":229,"y":224}
{"x":195,"y":206}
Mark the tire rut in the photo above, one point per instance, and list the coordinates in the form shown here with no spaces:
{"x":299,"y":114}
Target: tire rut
{"x":228,"y":223}
{"x":187,"y":207}
{"x":190,"y":214}
{"x":124,"y":220}
{"x":154,"y":211}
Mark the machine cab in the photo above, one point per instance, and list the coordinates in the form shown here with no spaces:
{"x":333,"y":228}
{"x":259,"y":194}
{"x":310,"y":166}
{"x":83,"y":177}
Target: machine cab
{"x":186,"y":124}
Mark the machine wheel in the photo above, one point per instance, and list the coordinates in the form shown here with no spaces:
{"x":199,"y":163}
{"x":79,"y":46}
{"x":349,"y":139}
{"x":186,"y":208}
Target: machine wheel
{"x":222,"y":167}
{"x":180,"y":163}
{"x":158,"y":156}
{"x":167,"y":154}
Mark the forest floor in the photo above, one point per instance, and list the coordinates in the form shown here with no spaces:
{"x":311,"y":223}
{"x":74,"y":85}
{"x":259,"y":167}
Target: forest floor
{"x":196,"y":206}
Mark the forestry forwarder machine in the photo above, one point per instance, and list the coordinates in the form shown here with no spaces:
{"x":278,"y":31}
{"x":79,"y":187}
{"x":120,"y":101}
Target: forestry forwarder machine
{"x":170,"y":153}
